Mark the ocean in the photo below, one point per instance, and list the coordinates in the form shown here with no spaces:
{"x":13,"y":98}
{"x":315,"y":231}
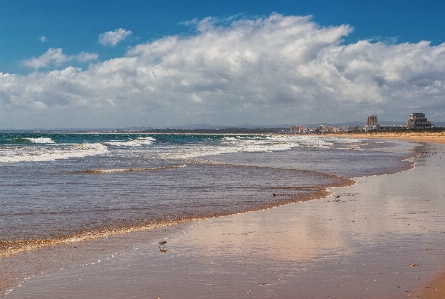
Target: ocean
{"x":59,"y":188}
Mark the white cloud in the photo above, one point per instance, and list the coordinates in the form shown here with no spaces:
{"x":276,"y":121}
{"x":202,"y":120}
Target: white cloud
{"x":112,"y":38}
{"x":42,"y":39}
{"x":57,"y":58}
{"x":280,"y":69}
{"x":52,"y":56}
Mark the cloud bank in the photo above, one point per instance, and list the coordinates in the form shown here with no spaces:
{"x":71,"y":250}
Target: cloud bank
{"x":274,"y":70}
{"x":112,"y":38}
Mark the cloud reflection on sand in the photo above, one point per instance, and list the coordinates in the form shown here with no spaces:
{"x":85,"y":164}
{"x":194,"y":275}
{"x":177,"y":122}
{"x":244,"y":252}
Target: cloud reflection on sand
{"x":294,"y":237}
{"x":384,"y":209}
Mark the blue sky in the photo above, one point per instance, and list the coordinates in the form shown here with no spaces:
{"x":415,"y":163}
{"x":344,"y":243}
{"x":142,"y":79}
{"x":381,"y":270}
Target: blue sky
{"x":56,"y":48}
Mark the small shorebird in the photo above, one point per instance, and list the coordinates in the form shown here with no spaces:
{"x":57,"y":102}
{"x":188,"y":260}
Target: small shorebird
{"x":162,"y":243}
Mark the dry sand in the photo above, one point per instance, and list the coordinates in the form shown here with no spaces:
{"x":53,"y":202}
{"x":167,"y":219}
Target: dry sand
{"x":434,"y":289}
{"x":382,"y":238}
{"x":434,"y":137}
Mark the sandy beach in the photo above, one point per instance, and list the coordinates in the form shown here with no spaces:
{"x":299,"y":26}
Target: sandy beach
{"x":434,"y":137}
{"x":381,"y":238}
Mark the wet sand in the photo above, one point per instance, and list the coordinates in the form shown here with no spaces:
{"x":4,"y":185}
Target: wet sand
{"x":381,"y":238}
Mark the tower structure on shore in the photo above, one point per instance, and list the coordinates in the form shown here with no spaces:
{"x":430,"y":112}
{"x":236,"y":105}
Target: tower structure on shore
{"x":372,"y":121}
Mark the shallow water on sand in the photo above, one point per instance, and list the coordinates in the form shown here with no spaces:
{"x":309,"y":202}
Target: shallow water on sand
{"x":382,"y":238}
{"x":68,"y":189}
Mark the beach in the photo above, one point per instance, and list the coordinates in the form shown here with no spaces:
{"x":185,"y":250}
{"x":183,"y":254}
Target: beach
{"x":380,"y":238}
{"x":422,"y":136}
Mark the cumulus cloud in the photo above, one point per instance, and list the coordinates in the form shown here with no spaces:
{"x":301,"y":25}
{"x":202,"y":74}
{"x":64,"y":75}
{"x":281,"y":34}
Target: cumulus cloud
{"x":57,"y":58}
{"x":112,"y":38}
{"x":42,"y":38}
{"x":274,"y":70}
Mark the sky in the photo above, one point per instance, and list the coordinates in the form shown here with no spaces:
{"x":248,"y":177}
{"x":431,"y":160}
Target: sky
{"x":164,"y":63}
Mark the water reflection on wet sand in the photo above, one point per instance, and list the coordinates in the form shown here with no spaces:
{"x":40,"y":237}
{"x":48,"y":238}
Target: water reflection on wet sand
{"x":382,"y":238}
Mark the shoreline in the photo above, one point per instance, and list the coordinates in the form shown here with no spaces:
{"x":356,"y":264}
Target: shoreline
{"x":228,"y":231}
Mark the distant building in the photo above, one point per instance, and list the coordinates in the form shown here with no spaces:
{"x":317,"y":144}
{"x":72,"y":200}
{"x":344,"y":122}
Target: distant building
{"x":372,"y":120}
{"x":297,"y":129}
{"x":418,"y":121}
{"x":323,"y":129}
{"x":372,"y":123}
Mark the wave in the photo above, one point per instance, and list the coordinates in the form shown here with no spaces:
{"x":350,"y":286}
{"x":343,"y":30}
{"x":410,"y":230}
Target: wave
{"x":277,"y":143}
{"x":113,"y":170}
{"x":37,"y":154}
{"x":234,"y":144}
{"x":42,"y":140}
{"x":140,"y":141}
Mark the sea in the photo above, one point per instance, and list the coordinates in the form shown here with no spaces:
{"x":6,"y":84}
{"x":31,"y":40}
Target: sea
{"x":70,"y":187}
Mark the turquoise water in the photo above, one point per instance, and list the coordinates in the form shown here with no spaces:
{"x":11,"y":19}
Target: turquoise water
{"x":55,"y":187}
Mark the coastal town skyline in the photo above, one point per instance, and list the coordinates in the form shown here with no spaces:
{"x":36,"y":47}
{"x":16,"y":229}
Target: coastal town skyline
{"x":416,"y":121}
{"x":92,"y":64}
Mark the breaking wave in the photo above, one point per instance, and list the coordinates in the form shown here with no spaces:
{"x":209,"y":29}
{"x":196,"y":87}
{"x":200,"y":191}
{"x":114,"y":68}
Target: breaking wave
{"x":140,"y":141}
{"x":15,"y":154}
{"x":42,"y":140}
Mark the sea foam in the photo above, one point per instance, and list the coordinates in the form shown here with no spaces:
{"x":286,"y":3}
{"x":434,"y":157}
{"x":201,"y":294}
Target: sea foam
{"x":36,"y":153}
{"x":43,"y":140}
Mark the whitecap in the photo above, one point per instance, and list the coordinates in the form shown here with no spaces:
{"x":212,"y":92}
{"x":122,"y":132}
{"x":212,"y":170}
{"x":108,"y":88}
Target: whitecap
{"x":37,"y":153}
{"x":43,"y":140}
{"x":140,"y":141}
